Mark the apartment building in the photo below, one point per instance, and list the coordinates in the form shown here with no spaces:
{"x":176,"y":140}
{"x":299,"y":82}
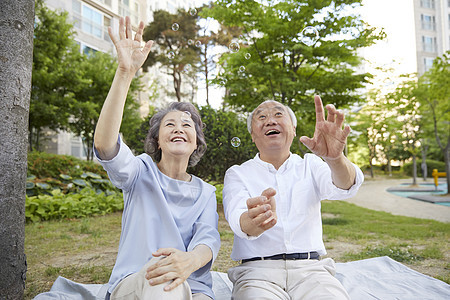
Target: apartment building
{"x":432,"y":30}
{"x":91,"y":18}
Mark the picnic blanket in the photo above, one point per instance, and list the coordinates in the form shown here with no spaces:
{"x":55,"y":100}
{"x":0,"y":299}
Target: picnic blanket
{"x":374,"y":278}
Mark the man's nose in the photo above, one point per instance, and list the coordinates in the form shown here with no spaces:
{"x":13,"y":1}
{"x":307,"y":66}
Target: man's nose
{"x":271,"y":120}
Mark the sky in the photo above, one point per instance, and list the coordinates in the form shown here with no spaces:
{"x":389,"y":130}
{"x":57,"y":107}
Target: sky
{"x":397,"y":51}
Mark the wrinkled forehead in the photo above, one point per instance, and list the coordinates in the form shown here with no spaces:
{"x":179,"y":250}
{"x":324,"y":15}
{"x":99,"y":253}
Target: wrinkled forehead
{"x":176,"y":115}
{"x":269,"y":107}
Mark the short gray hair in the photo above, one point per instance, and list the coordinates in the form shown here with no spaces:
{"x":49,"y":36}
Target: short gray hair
{"x":151,"y":141}
{"x":250,"y":117}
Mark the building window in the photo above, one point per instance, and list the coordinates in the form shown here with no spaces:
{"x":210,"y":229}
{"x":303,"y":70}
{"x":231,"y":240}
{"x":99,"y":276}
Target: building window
{"x":86,"y":50}
{"x":90,"y":21}
{"x":428,"y":22}
{"x":136,"y":13}
{"x":429,"y":44}
{"x":106,"y":24}
{"x":427,"y":63}
{"x":124,"y":8}
{"x":427,"y":3}
{"x":107,"y":2}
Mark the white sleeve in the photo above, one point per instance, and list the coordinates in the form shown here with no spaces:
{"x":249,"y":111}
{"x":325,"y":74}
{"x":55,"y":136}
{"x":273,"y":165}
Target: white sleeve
{"x":235,"y":197}
{"x":321,"y":173}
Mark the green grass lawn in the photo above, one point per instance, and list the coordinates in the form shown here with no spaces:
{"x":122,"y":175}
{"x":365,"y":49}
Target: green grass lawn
{"x":84,"y":250}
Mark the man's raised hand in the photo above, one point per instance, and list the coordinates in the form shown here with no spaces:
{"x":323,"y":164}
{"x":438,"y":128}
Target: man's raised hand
{"x":329,"y":137}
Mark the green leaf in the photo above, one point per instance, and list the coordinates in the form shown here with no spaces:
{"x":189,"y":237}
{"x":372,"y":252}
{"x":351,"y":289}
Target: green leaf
{"x":43,"y":186}
{"x":93,"y":175}
{"x":80,"y":182}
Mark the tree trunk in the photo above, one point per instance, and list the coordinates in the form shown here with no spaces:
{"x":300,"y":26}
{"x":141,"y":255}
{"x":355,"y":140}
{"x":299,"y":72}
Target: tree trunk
{"x":16,"y":59}
{"x":371,"y":168}
{"x":206,"y":73}
{"x":447,"y":165}
{"x":424,"y":163}
{"x":414,"y":170}
{"x":389,"y":166}
{"x":177,"y":84}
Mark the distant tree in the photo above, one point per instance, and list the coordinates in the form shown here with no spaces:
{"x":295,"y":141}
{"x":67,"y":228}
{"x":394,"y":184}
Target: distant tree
{"x":56,"y":61}
{"x":177,"y":48}
{"x":433,"y":93}
{"x":288,"y":66}
{"x":211,"y":40}
{"x":16,"y":58}
{"x":98,"y":71}
{"x":405,"y":105}
{"x":228,"y":143}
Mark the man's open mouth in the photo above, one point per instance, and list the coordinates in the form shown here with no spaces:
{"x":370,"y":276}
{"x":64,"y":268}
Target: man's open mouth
{"x":272,"y":132}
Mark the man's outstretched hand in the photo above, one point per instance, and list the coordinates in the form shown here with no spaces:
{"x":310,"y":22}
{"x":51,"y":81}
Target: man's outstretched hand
{"x":261,"y":214}
{"x":329,"y":137}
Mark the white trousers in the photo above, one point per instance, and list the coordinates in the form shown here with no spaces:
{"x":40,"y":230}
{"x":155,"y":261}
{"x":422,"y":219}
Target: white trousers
{"x":136,"y":287}
{"x":286,"y":280}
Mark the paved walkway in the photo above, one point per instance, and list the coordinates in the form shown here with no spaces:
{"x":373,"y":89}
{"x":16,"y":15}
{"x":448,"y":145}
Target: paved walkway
{"x":373,"y":195}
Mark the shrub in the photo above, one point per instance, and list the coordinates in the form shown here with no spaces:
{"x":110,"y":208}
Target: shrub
{"x":67,"y":184}
{"x":431,"y":164}
{"x":220,"y":128}
{"x":60,"y":206}
{"x":47,"y":165}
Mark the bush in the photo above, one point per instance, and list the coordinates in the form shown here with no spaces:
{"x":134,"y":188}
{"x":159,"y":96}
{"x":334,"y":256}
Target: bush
{"x":60,"y":206}
{"x":47,"y":165}
{"x":222,"y":129}
{"x":431,"y":164}
{"x":47,"y":172}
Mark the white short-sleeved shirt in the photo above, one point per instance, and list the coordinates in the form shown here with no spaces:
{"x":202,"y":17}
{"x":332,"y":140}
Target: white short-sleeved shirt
{"x":300,"y":185}
{"x":161,"y":212}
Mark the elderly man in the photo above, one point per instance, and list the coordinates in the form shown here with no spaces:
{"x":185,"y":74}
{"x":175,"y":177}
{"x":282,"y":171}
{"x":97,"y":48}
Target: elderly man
{"x":272,"y":203}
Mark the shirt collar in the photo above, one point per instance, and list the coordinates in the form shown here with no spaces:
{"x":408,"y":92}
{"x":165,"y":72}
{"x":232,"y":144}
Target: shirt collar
{"x":270,"y":167}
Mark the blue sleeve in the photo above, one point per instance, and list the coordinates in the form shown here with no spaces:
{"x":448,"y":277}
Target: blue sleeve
{"x":205,"y":230}
{"x":123,"y":168}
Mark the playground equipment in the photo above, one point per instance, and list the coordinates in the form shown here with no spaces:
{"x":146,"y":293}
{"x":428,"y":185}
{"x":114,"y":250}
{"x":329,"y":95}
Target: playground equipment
{"x":436,"y":175}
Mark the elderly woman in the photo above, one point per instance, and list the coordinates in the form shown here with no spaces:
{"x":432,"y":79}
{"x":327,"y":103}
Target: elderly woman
{"x":169,"y":225}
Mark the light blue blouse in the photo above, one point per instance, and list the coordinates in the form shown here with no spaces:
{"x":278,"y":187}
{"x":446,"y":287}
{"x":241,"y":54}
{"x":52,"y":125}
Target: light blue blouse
{"x":161,"y":212}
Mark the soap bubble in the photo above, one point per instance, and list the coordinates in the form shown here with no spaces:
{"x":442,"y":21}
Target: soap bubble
{"x":309,"y":36}
{"x":198,"y":43}
{"x":187,"y":68}
{"x":247,"y":55}
{"x":171,"y":55}
{"x":186,"y":116}
{"x":190,"y":42}
{"x":175,"y":26}
{"x":234,"y":47}
{"x":242,"y":69}
{"x":193,"y":12}
{"x":235,"y":142}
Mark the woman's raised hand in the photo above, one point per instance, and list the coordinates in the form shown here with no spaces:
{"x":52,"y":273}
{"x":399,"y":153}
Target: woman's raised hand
{"x":130,"y":54}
